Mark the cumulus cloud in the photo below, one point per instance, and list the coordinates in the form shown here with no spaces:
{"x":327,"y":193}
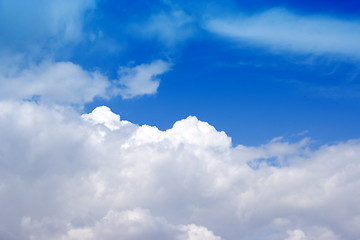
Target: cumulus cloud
{"x":95,"y":176}
{"x":141,"y":79}
{"x":280,"y":29}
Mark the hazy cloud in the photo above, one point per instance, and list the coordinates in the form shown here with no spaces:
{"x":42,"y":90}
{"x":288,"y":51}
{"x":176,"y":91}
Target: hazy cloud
{"x":170,"y":28}
{"x":280,"y":29}
{"x":27,"y":25}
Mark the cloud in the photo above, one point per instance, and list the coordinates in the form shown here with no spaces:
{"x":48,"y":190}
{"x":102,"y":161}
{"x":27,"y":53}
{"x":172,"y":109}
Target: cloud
{"x":129,"y":224}
{"x":36,"y":34}
{"x":67,"y":176}
{"x":33,"y":33}
{"x":68,"y":83}
{"x":140,"y":80}
{"x":170,"y":28}
{"x":281,"y":29}
{"x":296,"y":235}
{"x":103,"y":115}
{"x":53,"y":82}
{"x":27,"y":25}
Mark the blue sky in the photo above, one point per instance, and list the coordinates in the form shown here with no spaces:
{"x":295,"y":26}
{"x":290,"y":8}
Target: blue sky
{"x":268,"y":75}
{"x":252,"y":90}
{"x":184,"y":120}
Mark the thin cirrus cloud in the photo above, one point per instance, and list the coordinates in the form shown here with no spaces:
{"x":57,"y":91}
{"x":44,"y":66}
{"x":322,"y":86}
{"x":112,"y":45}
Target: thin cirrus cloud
{"x":97,"y":176}
{"x":168,"y":27}
{"x":281,"y":29}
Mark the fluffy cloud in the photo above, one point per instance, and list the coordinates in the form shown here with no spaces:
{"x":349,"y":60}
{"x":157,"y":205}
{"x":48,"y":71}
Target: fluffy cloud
{"x":68,"y":83}
{"x":141,"y":80}
{"x":34,"y":33}
{"x":66,"y":176}
{"x":280,"y":29}
{"x":129,"y":224}
{"x":59,"y":82}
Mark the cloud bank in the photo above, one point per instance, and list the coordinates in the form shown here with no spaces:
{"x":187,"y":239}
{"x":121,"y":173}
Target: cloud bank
{"x":66,"y":176}
{"x":280,"y":29}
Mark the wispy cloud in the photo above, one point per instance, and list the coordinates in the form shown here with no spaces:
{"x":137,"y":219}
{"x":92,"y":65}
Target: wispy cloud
{"x":32,"y":35}
{"x":25,"y":24}
{"x":281,"y":29}
{"x":140,"y":80}
{"x":168,"y":27}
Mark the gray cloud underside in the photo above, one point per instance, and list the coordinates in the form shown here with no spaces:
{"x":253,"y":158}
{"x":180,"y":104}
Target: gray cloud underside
{"x":66,"y":176}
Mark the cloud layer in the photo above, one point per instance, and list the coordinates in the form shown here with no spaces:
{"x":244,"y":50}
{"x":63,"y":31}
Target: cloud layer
{"x":280,"y":29}
{"x":66,"y":176}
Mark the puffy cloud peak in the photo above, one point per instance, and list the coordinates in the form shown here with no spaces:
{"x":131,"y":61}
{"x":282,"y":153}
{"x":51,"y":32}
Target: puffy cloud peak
{"x":103,"y":115}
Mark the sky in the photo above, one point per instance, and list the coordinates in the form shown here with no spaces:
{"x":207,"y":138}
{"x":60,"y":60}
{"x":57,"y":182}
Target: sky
{"x":184,"y":120}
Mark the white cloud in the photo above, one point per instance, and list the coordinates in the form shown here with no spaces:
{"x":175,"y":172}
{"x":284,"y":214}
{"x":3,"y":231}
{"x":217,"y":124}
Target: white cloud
{"x":140,"y":80}
{"x":280,"y":29}
{"x":34,"y":33}
{"x":66,"y":176}
{"x":68,"y":83}
{"x":296,"y":234}
{"x":130,"y":224}
{"x":53,"y":82}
